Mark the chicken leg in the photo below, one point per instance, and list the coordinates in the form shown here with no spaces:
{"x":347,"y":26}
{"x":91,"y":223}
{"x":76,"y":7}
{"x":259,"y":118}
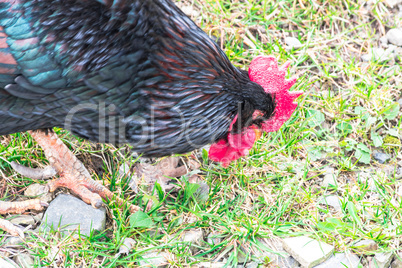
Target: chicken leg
{"x":72,"y":175}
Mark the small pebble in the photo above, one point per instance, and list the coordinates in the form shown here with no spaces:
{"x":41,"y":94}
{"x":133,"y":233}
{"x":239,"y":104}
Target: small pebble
{"x":333,"y":201}
{"x":394,"y":36}
{"x":366,"y":247}
{"x":293,"y":42}
{"x":252,"y":264}
{"x":213,"y":238}
{"x":22,"y":220}
{"x":14,"y":241}
{"x":24,"y":260}
{"x":341,"y":260}
{"x":397,"y":262}
{"x":7,"y":263}
{"x":193,"y":237}
{"x":307,"y":251}
{"x":378,"y":54}
{"x":39,"y":190}
{"x":154,"y":258}
{"x":383,"y":259}
{"x":384,"y":41}
{"x":381,"y":157}
{"x":329,"y":179}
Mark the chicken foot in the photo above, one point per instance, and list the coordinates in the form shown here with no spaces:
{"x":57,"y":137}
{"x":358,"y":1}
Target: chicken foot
{"x":18,"y":207}
{"x":72,"y":175}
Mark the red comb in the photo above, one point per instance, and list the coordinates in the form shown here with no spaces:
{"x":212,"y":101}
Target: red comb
{"x":264,"y":71}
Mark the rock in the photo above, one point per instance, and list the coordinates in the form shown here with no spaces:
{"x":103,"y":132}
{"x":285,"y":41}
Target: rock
{"x":293,"y":42}
{"x":379,"y":54}
{"x":381,"y":157}
{"x":202,"y":193}
{"x":70,"y":213}
{"x":394,"y":36}
{"x":213,"y":238}
{"x":384,"y":41}
{"x":397,"y":263}
{"x":341,"y":260}
{"x":308,"y":252}
{"x":124,"y":172}
{"x":333,"y":201}
{"x":329,"y":179}
{"x":14,"y":241}
{"x":39,"y":190}
{"x":392,"y":3}
{"x":252,"y":264}
{"x":366,"y":247}
{"x":24,"y":260}
{"x":382,"y":260}
{"x":400,"y":102}
{"x":38,"y":217}
{"x":279,"y":258}
{"x":243,"y":255}
{"x":154,"y":258}
{"x":391,"y":71}
{"x":7,"y":263}
{"x":22,"y":220}
{"x":193,"y":237}
{"x":127,"y":245}
{"x":210,"y":265}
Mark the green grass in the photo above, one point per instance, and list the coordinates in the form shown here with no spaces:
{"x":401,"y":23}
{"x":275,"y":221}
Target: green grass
{"x":347,"y":111}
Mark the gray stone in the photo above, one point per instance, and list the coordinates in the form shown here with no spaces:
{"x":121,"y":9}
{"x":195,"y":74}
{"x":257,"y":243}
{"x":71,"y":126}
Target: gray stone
{"x":383,"y":259}
{"x":193,"y":237}
{"x":213,"y":238}
{"x":7,"y":263}
{"x":308,"y":252}
{"x":22,"y":220}
{"x":154,"y":258}
{"x":202,"y":193}
{"x":341,"y":260}
{"x":124,"y":171}
{"x":210,"y":265}
{"x":38,"y":217}
{"x":127,"y":245}
{"x":394,"y":36}
{"x":252,"y":264}
{"x":24,"y":260}
{"x":397,"y":263}
{"x":292,"y":42}
{"x":379,"y":54}
{"x":392,"y":3}
{"x":277,"y":256}
{"x":384,"y":41}
{"x":243,"y":255}
{"x":329,"y":179}
{"x":391,"y":71}
{"x":39,"y":190}
{"x":381,"y":157}
{"x":366,"y":247}
{"x":333,"y":201}
{"x":69,"y":213}
{"x":14,"y":241}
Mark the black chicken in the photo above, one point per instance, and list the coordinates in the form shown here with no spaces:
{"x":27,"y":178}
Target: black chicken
{"x":127,"y":71}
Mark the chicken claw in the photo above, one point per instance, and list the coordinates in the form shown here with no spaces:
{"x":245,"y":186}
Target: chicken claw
{"x":18,"y":207}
